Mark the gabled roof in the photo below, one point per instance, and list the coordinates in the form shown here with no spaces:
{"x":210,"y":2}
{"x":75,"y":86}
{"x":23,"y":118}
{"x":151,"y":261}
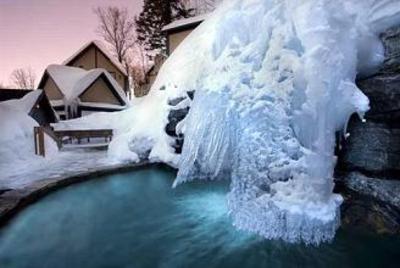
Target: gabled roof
{"x":102,"y":48}
{"x":72,"y":81}
{"x":184,"y":24}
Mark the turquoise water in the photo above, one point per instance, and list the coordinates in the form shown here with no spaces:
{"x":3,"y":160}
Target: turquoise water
{"x":137,"y":220}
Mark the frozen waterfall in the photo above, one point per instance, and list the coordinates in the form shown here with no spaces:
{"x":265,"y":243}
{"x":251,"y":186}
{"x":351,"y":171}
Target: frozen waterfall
{"x":275,"y":82}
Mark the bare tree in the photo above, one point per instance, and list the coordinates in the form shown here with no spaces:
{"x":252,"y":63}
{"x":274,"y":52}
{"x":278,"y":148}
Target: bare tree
{"x":139,"y":64}
{"x":118,"y":30}
{"x":139,"y":61}
{"x":23,"y":78}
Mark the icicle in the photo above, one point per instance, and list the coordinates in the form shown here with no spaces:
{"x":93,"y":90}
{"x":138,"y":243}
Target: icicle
{"x":274,"y":83}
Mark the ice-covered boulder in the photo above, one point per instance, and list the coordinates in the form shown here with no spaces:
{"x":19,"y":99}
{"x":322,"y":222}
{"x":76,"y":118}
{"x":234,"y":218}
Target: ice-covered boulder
{"x":274,"y":82}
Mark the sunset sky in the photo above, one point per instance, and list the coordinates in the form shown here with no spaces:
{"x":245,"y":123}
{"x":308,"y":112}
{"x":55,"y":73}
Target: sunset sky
{"x":37,"y":33}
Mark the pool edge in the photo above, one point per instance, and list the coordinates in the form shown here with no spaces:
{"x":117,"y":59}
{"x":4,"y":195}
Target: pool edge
{"x":15,"y":200}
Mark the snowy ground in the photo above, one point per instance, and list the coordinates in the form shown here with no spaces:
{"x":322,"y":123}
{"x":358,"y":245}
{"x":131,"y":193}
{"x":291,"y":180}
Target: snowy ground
{"x":138,"y":131}
{"x":20,"y":167}
{"x":65,"y":163}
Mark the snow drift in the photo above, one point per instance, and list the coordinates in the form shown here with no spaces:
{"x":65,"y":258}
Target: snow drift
{"x":275,"y":82}
{"x":16,"y":139}
{"x":138,"y":131}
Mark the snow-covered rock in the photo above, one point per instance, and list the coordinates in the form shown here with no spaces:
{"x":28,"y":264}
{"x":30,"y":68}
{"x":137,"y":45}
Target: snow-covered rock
{"x":274,"y":82}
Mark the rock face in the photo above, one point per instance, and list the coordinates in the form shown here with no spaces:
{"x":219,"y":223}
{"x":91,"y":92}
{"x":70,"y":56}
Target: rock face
{"x":382,"y":190}
{"x":391,"y":41}
{"x":374,"y":146}
{"x":179,"y":109}
{"x":383,"y":91}
{"x":373,"y":149}
{"x":363,"y":211}
{"x":369,"y":163}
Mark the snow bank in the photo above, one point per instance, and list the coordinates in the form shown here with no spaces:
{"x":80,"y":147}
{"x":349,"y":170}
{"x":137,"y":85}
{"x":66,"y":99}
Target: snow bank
{"x":274,"y":81}
{"x":16,"y":139}
{"x":138,"y":131}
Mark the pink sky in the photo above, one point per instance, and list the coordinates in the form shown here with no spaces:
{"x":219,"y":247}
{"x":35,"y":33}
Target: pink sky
{"x":37,"y":33}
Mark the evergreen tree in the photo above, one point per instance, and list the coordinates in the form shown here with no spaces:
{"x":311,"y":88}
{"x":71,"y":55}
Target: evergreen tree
{"x":155,"y":15}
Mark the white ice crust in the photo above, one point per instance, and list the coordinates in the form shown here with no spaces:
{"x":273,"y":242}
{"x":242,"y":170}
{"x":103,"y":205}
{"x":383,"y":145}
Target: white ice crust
{"x":274,"y":82}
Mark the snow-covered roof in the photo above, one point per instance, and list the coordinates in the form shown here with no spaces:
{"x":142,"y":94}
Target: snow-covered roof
{"x":103,"y":48}
{"x":102,"y":105}
{"x":74,"y":81}
{"x":185,"y":23}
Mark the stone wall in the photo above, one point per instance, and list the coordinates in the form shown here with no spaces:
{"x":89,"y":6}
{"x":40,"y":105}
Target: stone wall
{"x":368,"y":169}
{"x":373,"y":147}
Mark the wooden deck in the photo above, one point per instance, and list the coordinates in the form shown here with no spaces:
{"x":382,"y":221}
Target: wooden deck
{"x":71,"y":138}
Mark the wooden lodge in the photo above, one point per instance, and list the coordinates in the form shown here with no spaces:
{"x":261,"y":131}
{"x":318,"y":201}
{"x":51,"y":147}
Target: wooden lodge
{"x":94,"y":55}
{"x":74,"y":92}
{"x":175,"y":32}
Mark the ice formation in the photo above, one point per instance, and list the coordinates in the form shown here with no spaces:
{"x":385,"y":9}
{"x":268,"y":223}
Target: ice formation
{"x":275,"y":82}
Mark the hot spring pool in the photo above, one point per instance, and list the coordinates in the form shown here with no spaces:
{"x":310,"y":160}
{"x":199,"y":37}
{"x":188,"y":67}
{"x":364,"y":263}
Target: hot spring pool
{"x":137,"y":220}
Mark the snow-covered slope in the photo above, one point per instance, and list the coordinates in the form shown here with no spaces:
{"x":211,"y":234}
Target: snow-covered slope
{"x":138,"y":130}
{"x":16,"y":138}
{"x":274,"y":81}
